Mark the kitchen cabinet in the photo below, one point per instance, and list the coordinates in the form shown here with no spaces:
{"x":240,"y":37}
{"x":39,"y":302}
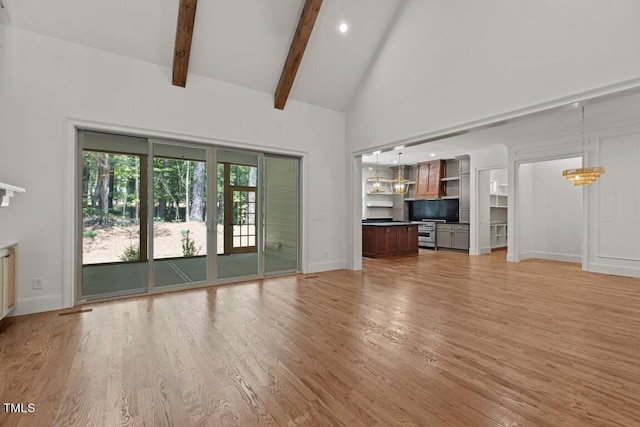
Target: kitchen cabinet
{"x":429,"y":184}
{"x":7,"y":280}
{"x":451,"y":179}
{"x":389,"y":239}
{"x":407,"y":238}
{"x":457,"y":184}
{"x":452,"y":236}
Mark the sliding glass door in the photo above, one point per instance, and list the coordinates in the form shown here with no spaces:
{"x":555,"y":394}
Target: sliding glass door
{"x":145,"y":221}
{"x":143,"y":215}
{"x":237,"y":196}
{"x":281,"y":214}
{"x":113,"y":215}
{"x":179,"y":215}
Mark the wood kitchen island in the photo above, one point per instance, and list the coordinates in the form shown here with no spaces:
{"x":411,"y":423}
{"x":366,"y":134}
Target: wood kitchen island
{"x":385,"y":239}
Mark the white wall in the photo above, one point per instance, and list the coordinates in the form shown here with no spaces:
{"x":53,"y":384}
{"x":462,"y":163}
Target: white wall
{"x":524,"y":189}
{"x":45,"y":83}
{"x":451,"y":63}
{"x":550,"y":211}
{"x":614,"y":244}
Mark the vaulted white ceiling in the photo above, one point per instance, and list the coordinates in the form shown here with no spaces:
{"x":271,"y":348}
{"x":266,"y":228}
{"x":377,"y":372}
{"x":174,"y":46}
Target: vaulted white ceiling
{"x":242,"y":42}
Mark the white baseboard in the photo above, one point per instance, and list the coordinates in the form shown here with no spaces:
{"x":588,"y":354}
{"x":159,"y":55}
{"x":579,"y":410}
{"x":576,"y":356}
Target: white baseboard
{"x":349,"y":266}
{"x":481,"y":251}
{"x":37,"y":304}
{"x":526,"y":255}
{"x":616,"y":270}
{"x":553,"y":256}
{"x":318,"y":267}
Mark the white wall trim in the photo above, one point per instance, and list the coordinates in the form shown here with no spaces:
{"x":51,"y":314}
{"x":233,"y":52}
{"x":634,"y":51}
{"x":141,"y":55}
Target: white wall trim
{"x":553,"y":256}
{"x":481,"y":251}
{"x":356,"y":214}
{"x":318,"y":267}
{"x":38,"y":304}
{"x":619,"y":258}
{"x":304,"y":220}
{"x":69,"y":202}
{"x":524,"y":255}
{"x":616,"y":270}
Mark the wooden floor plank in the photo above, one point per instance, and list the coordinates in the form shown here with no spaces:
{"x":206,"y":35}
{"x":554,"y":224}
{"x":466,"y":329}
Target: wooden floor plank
{"x":438,"y":339}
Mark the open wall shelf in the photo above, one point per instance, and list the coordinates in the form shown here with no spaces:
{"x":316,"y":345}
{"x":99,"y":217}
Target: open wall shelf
{"x":7,"y":192}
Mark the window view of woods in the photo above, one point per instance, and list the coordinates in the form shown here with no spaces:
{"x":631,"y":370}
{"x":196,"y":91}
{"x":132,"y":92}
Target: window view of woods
{"x":237,"y":186}
{"x":153,"y":213}
{"x":114,"y":200}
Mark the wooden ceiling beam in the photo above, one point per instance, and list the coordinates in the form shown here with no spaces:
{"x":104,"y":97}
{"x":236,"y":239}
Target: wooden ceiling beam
{"x":184,"y":34}
{"x":296,"y":51}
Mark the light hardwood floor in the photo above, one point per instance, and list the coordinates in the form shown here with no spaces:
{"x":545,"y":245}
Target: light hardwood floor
{"x":438,"y":339}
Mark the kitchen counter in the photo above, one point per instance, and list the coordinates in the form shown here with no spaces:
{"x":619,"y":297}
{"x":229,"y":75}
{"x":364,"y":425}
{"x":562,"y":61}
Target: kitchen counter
{"x":385,"y":239}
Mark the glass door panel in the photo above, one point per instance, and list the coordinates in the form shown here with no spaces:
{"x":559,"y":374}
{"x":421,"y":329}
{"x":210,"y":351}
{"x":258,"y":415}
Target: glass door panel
{"x":243,"y":227}
{"x":281,"y":207}
{"x":179,"y":215}
{"x":114,"y":223}
{"x":237,"y":213}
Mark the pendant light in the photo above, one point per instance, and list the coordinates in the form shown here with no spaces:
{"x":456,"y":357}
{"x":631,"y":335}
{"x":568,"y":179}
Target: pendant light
{"x":582,"y":175}
{"x":377,"y":183}
{"x":399,"y":185}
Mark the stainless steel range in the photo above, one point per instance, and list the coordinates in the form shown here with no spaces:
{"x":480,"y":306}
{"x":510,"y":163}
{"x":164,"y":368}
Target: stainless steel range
{"x":427,"y":232}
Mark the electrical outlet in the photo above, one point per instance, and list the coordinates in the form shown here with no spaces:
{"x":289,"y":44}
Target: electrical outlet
{"x":38,"y":282}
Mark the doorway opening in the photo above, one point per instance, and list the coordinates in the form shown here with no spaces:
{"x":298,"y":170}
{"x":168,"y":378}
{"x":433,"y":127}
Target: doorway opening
{"x":549,"y":211}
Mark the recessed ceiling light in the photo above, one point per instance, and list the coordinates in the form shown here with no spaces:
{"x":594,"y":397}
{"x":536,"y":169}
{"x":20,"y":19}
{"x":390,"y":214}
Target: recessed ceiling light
{"x":433,"y":154}
{"x":395,"y":161}
{"x":398,"y":147}
{"x":376,"y":152}
{"x":343,"y":27}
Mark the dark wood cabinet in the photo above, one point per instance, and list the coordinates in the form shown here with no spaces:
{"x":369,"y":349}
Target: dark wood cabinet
{"x":407,"y":238}
{"x":429,"y":184}
{"x":389,"y":240}
{"x":386,"y":239}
